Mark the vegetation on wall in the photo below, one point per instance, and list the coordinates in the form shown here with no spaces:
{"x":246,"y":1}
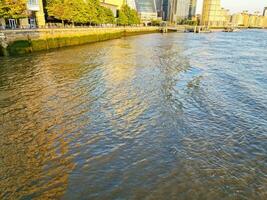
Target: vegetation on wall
{"x":13,"y":9}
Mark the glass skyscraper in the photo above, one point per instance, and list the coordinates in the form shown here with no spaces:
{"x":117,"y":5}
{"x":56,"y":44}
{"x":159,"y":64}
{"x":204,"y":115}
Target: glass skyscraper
{"x":192,"y":8}
{"x":146,"y":9}
{"x":178,"y":10}
{"x":265,"y":11}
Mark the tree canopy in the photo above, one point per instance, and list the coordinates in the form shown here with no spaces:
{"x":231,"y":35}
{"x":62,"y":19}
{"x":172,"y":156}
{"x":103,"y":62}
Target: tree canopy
{"x":14,"y":9}
{"x":128,"y":16}
{"x":80,"y":11}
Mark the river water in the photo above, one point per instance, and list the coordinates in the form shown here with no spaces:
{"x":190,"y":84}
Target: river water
{"x":159,"y":116}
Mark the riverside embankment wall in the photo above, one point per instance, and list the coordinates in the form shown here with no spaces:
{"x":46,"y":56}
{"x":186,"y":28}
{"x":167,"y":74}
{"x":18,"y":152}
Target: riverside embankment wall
{"x":17,"y":42}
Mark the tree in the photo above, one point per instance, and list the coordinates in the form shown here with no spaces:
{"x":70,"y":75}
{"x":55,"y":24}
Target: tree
{"x":92,"y":13}
{"x":80,"y":11}
{"x":14,"y":9}
{"x":134,"y":18}
{"x":128,"y":16}
{"x":75,"y":11}
{"x":109,"y":17}
{"x":56,"y":9}
{"x":105,"y":15}
{"x":123,"y":19}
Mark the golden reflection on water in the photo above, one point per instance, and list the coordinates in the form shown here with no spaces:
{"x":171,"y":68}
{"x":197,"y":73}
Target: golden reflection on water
{"x":134,"y":118}
{"x":32,"y":158}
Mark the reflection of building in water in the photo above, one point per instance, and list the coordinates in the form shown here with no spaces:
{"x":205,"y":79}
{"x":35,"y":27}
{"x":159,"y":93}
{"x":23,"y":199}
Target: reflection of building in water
{"x":119,"y":77}
{"x":33,"y":154}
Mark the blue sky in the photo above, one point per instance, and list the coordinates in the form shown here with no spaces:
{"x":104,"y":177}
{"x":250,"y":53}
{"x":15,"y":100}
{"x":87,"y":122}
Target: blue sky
{"x":239,"y":5}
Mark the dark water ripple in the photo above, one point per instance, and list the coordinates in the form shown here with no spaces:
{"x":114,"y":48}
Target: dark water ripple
{"x":177,"y":116}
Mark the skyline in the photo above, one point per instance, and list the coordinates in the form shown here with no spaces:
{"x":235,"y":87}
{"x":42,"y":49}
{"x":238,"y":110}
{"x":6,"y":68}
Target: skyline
{"x":239,"y":6}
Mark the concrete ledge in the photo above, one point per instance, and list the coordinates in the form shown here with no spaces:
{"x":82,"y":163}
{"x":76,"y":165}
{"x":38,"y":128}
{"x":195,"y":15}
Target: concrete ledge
{"x":17,"y":42}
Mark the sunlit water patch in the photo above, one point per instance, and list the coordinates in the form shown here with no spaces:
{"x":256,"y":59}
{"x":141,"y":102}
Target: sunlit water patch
{"x":159,"y":116}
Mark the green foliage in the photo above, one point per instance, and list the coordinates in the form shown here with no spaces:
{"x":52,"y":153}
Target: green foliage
{"x":187,"y":22}
{"x":123,"y":19}
{"x":14,"y":9}
{"x":156,"y":22}
{"x":128,"y":16}
{"x":80,"y":11}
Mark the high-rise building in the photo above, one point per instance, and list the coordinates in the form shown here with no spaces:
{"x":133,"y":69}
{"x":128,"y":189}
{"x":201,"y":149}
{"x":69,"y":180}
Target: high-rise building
{"x":146,"y":9}
{"x":265,"y":11}
{"x":165,"y":10}
{"x":178,"y":10}
{"x":159,"y":4}
{"x":192,"y":8}
{"x":213,"y":14}
{"x":131,"y":4}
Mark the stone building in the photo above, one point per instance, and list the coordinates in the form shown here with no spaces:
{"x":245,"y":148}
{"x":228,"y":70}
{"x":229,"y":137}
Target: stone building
{"x":35,"y":17}
{"x":245,"y":19}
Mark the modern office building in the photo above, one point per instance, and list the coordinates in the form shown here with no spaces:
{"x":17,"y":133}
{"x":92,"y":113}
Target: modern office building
{"x":131,"y":4}
{"x":178,"y":10}
{"x":213,"y":14}
{"x":146,"y":9}
{"x":165,"y":9}
{"x":265,"y":12}
{"x":159,"y":7}
{"x":192,"y":8}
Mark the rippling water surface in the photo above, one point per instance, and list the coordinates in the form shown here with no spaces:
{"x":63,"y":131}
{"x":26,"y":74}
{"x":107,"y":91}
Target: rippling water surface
{"x":176,"y":116}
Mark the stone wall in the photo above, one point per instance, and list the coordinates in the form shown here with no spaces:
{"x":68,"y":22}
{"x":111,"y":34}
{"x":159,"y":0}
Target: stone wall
{"x":16,"y":42}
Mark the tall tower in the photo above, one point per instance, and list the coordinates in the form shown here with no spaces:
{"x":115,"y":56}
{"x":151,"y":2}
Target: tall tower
{"x":265,"y":12}
{"x":165,"y":9}
{"x":178,"y":10}
{"x":192,"y":8}
{"x":213,"y":14}
{"x":146,"y":9}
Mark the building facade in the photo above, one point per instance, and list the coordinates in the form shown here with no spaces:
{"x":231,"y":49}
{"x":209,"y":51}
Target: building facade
{"x":192,"y":8}
{"x":213,"y":14}
{"x":146,"y":10}
{"x":245,"y":19}
{"x":36,"y":14}
{"x":35,"y":17}
{"x":165,"y":10}
{"x":117,"y":3}
{"x":265,"y":12}
{"x":159,"y":7}
{"x":178,"y":10}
